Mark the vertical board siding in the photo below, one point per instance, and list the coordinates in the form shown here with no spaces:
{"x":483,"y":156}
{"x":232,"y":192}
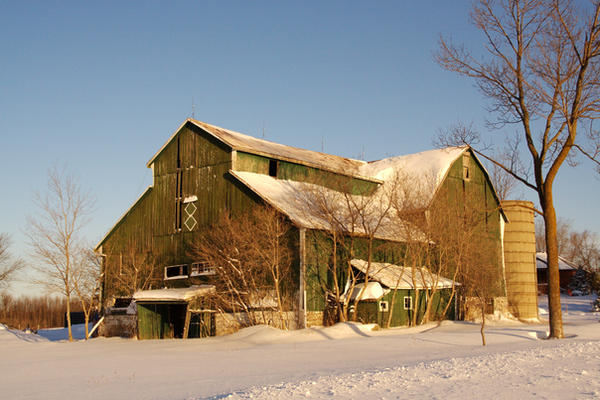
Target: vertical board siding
{"x":302,"y":173}
{"x":150,"y":225}
{"x":204,"y":163}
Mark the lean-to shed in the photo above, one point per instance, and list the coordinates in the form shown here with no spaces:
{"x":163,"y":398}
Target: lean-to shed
{"x":394,"y":289}
{"x":175,"y":313}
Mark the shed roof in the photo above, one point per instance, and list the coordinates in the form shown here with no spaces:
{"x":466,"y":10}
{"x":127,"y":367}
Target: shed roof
{"x":542,"y":262}
{"x":373,"y":291}
{"x":399,"y":277}
{"x":179,"y":294}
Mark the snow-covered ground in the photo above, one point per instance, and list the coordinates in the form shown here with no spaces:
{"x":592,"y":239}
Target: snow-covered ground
{"x":345,"y":361}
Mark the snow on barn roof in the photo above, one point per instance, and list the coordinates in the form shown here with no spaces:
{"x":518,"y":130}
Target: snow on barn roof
{"x":422,"y":164}
{"x":179,"y":294}
{"x":398,"y":277}
{"x":304,"y":203}
{"x":429,"y":168}
{"x":542,"y":262}
{"x":241,"y":142}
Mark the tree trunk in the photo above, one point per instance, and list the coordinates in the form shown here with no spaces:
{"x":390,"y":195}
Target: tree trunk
{"x":555,"y":314}
{"x":482,"y":323}
{"x":391,"y":309}
{"x":87,"y":321}
{"x":69,"y":318}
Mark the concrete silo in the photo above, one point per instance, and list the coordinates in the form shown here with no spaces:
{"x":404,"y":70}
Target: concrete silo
{"x":519,"y":259}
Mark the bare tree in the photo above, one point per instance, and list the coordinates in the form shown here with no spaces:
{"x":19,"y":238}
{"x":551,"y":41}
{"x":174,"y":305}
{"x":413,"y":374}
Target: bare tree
{"x":137,"y":271}
{"x":347,"y":213}
{"x":541,"y":73}
{"x":8,"y":266}
{"x":579,"y":247}
{"x":503,"y":182}
{"x":252,"y":257}
{"x":479,"y":281}
{"x":373,"y":214}
{"x":411,"y":198}
{"x":584,"y":249}
{"x":55,"y":233}
{"x":564,"y":229}
{"x":86,"y":282}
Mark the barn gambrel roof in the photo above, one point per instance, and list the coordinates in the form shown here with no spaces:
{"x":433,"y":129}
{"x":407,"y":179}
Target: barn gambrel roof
{"x":242,"y":142}
{"x":430,"y":166}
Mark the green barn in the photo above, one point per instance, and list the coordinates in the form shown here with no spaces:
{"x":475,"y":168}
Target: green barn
{"x":203,"y":170}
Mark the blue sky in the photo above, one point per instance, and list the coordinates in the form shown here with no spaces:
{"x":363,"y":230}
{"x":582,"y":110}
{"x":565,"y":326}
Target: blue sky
{"x":100,"y":86}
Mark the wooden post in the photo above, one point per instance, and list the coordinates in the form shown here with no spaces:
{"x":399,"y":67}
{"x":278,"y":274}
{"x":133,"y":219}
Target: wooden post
{"x":302,"y":280}
{"x":186,"y":325}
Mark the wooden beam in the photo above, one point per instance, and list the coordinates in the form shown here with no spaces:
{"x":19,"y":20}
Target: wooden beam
{"x":302,"y":278}
{"x":186,"y":325}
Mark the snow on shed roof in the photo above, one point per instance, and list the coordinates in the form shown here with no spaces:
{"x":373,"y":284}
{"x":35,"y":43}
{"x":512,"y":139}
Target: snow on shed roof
{"x":373,"y":291}
{"x":398,"y":277}
{"x":542,"y":262}
{"x":241,"y":142}
{"x":300,"y":202}
{"x":179,"y":294}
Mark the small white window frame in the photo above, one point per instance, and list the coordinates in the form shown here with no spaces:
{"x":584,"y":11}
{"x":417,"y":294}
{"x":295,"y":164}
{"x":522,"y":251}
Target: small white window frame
{"x":384,"y":306}
{"x":466,"y":161}
{"x":181,"y":275}
{"x":410,"y":302}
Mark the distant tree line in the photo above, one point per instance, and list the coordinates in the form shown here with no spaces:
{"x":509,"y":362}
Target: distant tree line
{"x":34,"y":312}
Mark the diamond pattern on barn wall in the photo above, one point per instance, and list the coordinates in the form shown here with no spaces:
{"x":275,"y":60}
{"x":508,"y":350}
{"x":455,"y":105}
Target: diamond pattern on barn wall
{"x":190,"y":222}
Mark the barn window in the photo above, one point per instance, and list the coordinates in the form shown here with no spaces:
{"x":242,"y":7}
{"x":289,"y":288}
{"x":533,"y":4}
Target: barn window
{"x":178,"y":190}
{"x":189,"y":208}
{"x":176,"y":271}
{"x":178,"y":200}
{"x":121,"y":269}
{"x":273,"y":166}
{"x":383,"y":306}
{"x":408,"y":303}
{"x":466,"y":161}
{"x":202,"y":269}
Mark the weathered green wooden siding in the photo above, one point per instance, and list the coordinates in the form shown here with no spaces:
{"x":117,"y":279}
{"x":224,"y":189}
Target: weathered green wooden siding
{"x":128,"y":237}
{"x":203,"y":164}
{"x":319,"y":247}
{"x":477,"y":189}
{"x":319,"y":275}
{"x":302,"y":173}
{"x":368,"y":311}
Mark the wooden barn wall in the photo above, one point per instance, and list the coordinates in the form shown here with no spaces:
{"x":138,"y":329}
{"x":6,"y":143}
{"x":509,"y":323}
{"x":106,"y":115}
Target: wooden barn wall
{"x":302,"y":173}
{"x":368,"y":311}
{"x":479,"y":188}
{"x":132,"y":235}
{"x":319,"y":276}
{"x":151,"y":225}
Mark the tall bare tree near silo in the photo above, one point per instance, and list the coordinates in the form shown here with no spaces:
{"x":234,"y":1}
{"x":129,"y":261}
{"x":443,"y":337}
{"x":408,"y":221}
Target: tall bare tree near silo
{"x":55,"y":233}
{"x":539,"y":68}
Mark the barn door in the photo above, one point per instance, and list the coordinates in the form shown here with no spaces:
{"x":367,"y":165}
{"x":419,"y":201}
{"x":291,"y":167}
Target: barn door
{"x":202,"y":324}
